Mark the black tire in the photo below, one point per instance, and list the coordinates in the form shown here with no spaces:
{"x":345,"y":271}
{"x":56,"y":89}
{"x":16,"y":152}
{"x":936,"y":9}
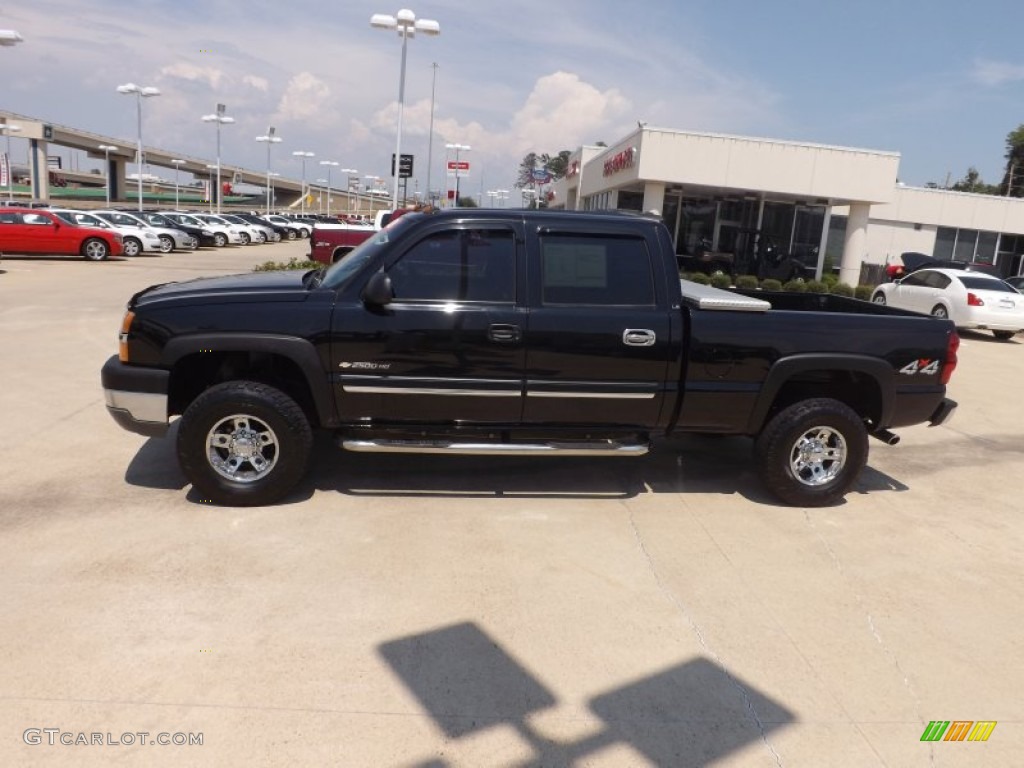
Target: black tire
{"x":1003,"y":335}
{"x":878,"y":298}
{"x":245,"y":238}
{"x":291,"y":234}
{"x":810,"y":454}
{"x":264,"y":441}
{"x":261,"y":237}
{"x":166,"y":243}
{"x":940,"y":312}
{"x":132,"y":247}
{"x":220,"y":239}
{"x":95,"y":249}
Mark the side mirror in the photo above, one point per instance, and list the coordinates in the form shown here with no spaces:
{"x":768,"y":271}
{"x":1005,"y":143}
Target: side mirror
{"x":378,"y":291}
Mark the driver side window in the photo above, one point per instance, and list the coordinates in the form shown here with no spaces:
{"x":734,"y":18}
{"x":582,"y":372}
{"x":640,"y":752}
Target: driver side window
{"x":457,"y":265}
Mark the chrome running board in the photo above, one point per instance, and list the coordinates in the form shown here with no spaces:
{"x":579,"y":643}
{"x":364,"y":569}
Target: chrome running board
{"x":551,"y":448}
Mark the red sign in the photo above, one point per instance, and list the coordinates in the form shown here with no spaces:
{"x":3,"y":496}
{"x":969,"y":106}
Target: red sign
{"x":458,"y":165}
{"x":621,"y":161}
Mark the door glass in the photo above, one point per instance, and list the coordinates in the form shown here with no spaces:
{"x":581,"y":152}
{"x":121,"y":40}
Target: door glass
{"x":457,"y":265}
{"x":596,"y":270}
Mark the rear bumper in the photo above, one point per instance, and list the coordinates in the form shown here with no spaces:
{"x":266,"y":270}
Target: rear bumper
{"x":943,"y":413}
{"x":136,"y":397}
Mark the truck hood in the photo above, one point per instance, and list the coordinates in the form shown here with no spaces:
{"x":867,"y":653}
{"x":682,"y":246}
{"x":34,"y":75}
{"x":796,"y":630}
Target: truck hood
{"x":258,"y":287}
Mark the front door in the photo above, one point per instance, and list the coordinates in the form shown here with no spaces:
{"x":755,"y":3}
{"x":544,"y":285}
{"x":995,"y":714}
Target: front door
{"x":600,"y":336}
{"x":449,"y":347}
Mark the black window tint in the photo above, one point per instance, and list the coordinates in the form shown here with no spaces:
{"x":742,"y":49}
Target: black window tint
{"x":595,"y":269}
{"x":936,"y":280}
{"x":985,"y":284}
{"x":457,"y":265}
{"x":6,"y":217}
{"x":917,"y":278}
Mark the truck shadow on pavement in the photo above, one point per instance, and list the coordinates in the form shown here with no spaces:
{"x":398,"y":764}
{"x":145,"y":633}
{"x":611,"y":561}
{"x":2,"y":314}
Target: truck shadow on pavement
{"x":689,"y":714}
{"x":690,"y":464}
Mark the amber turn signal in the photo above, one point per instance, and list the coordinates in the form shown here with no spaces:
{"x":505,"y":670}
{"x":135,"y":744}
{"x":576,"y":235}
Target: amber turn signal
{"x":122,"y":339}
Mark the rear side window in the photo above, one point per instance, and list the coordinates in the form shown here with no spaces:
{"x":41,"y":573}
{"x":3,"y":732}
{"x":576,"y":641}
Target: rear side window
{"x":458,"y":265}
{"x":936,"y":280}
{"x":36,"y":218}
{"x":596,"y":270}
{"x":917,"y":278}
{"x":985,"y":284}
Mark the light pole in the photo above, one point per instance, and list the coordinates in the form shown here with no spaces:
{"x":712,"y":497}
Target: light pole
{"x":458,"y":148}
{"x":177,"y":165}
{"x":269,"y":139}
{"x":303,"y":154}
{"x":322,"y":181}
{"x":8,"y":129}
{"x":330,"y":164}
{"x":370,"y":189}
{"x":502,"y":197}
{"x":209,"y":199}
{"x":8,"y":37}
{"x":219,"y":118}
{"x":348,"y":187}
{"x":107,"y":149}
{"x":141,"y":92}
{"x":430,"y":141}
{"x":407,"y":25}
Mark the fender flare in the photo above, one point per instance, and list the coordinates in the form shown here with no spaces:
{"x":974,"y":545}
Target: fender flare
{"x":297,"y":350}
{"x":879,"y":370}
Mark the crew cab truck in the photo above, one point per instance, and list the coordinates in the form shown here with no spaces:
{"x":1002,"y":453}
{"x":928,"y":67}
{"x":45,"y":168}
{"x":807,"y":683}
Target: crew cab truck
{"x":539,"y":333}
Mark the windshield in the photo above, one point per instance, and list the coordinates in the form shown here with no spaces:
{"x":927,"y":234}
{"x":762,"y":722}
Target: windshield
{"x":190,"y":220}
{"x":341,"y":272}
{"x":122,"y":219}
{"x":158,"y":219}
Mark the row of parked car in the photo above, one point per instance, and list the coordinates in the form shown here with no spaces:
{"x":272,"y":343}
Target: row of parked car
{"x":98,"y":234}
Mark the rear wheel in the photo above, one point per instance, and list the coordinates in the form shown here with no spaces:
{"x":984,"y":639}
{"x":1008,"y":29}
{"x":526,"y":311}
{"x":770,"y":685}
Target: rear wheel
{"x":166,"y":243}
{"x":132,"y":247}
{"x":1003,"y":335}
{"x":243,"y":443}
{"x":940,"y":312}
{"x":810,"y":453}
{"x":95,"y":249}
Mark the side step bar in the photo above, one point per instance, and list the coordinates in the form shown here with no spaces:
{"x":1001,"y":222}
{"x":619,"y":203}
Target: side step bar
{"x":552,"y":448}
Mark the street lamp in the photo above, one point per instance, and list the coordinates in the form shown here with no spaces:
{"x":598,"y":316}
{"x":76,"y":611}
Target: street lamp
{"x":502,"y":196}
{"x":269,"y":139}
{"x":303,"y":155}
{"x":9,"y":37}
{"x":107,"y":149}
{"x":321,"y":195}
{"x":8,"y":129}
{"x":330,"y":164}
{"x":458,"y":148}
{"x":177,"y":165}
{"x":218,"y":118}
{"x":141,"y":92}
{"x":348,"y":186}
{"x":407,"y":25}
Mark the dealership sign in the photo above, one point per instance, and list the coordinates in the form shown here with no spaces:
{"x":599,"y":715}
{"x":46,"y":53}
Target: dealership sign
{"x":620,"y":161}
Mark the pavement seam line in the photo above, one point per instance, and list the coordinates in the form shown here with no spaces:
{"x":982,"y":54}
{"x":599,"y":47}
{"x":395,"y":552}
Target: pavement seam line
{"x":674,"y":599}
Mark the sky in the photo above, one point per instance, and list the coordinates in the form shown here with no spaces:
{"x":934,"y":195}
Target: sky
{"x":938,"y":81}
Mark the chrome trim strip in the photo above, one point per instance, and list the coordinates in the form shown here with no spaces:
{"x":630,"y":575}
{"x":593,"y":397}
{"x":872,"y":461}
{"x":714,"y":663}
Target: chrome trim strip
{"x":595,"y":395}
{"x":603,"y":448}
{"x":366,"y":389}
{"x":141,"y":406}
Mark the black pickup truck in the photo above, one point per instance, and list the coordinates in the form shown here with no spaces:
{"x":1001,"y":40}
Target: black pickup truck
{"x":517,"y":333}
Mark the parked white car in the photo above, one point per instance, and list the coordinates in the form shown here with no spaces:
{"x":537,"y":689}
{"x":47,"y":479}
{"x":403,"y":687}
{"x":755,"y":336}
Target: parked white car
{"x":170,"y":238}
{"x":970,"y":299}
{"x":224,"y":229}
{"x":300,"y":228}
{"x":257,"y":232}
{"x":135,"y":239}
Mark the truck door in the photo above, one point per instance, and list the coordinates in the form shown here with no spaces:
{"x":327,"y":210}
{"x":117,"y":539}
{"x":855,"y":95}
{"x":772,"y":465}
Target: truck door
{"x":599,"y":340}
{"x":449,"y":347}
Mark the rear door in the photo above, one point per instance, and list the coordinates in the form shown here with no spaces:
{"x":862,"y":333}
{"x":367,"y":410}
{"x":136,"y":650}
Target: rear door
{"x":599,"y":338}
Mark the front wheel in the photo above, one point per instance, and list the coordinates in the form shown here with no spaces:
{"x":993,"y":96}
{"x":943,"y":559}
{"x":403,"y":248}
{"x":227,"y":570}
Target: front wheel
{"x":1003,"y":335}
{"x":220,"y":239}
{"x":243,"y":443}
{"x":245,"y":238}
{"x":291,"y":234}
{"x":878,"y":298}
{"x":132,"y":247}
{"x":95,"y":249}
{"x":166,"y":244}
{"x":810,"y":454}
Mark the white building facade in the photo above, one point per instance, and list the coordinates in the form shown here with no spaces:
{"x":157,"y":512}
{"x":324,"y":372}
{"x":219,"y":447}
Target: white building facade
{"x":833,"y":208}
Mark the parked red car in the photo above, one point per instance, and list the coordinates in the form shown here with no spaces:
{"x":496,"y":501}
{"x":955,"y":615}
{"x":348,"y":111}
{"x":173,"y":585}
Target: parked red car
{"x":30,"y":230}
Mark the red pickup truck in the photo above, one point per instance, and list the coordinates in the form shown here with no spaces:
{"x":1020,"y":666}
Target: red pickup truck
{"x":329,"y":241}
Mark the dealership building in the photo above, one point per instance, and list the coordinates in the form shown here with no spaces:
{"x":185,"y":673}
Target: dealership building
{"x":833,"y":208}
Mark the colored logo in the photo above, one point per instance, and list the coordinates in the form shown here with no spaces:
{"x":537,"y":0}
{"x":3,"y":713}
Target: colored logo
{"x":958,"y":730}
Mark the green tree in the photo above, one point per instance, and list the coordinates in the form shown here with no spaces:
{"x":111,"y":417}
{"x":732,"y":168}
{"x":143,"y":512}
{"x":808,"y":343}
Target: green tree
{"x":1013,"y":177}
{"x":467,"y":202}
{"x":972,"y":182}
{"x":557,"y":165}
{"x":525,"y":175}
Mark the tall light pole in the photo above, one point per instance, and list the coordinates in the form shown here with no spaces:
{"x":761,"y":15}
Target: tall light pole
{"x":303,"y":154}
{"x":177,"y":165}
{"x":458,"y":148}
{"x":220,"y":119}
{"x":141,"y":92}
{"x":502,"y":197}
{"x":107,"y":149}
{"x":430,"y":141}
{"x":407,"y":25}
{"x":348,"y":187}
{"x":321,"y":195}
{"x":8,"y":129}
{"x":269,"y":139}
{"x":330,"y":164}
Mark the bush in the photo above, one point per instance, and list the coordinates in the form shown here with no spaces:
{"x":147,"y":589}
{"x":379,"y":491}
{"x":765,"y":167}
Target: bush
{"x":795,"y":286}
{"x":721,"y":280}
{"x":816,"y":286}
{"x":700,"y":278}
{"x":863,"y":292}
{"x":274,"y":266}
{"x":746,"y":282}
{"x":842,"y":289}
{"x":771,"y":284}
{"x":830,"y":279}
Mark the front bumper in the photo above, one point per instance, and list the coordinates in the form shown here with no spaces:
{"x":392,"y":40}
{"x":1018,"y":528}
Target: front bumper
{"x":943,"y":413}
{"x":136,"y":397}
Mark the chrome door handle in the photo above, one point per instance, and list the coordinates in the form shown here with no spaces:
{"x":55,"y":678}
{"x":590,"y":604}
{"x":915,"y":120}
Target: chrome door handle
{"x":638,"y":337}
{"x":503,"y":333}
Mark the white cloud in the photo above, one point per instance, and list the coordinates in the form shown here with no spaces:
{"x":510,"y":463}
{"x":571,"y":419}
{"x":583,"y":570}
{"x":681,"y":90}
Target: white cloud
{"x":995,"y":73}
{"x":304,"y":97}
{"x":259,"y":83}
{"x":185,"y":71}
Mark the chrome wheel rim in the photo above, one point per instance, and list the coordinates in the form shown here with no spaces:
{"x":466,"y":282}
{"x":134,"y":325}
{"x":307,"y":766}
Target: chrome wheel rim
{"x":940,"y":312}
{"x":879,"y":299}
{"x":95,"y":250}
{"x":818,"y":456}
{"x":131,"y":248}
{"x":242,"y":448}
{"x":166,"y":244}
